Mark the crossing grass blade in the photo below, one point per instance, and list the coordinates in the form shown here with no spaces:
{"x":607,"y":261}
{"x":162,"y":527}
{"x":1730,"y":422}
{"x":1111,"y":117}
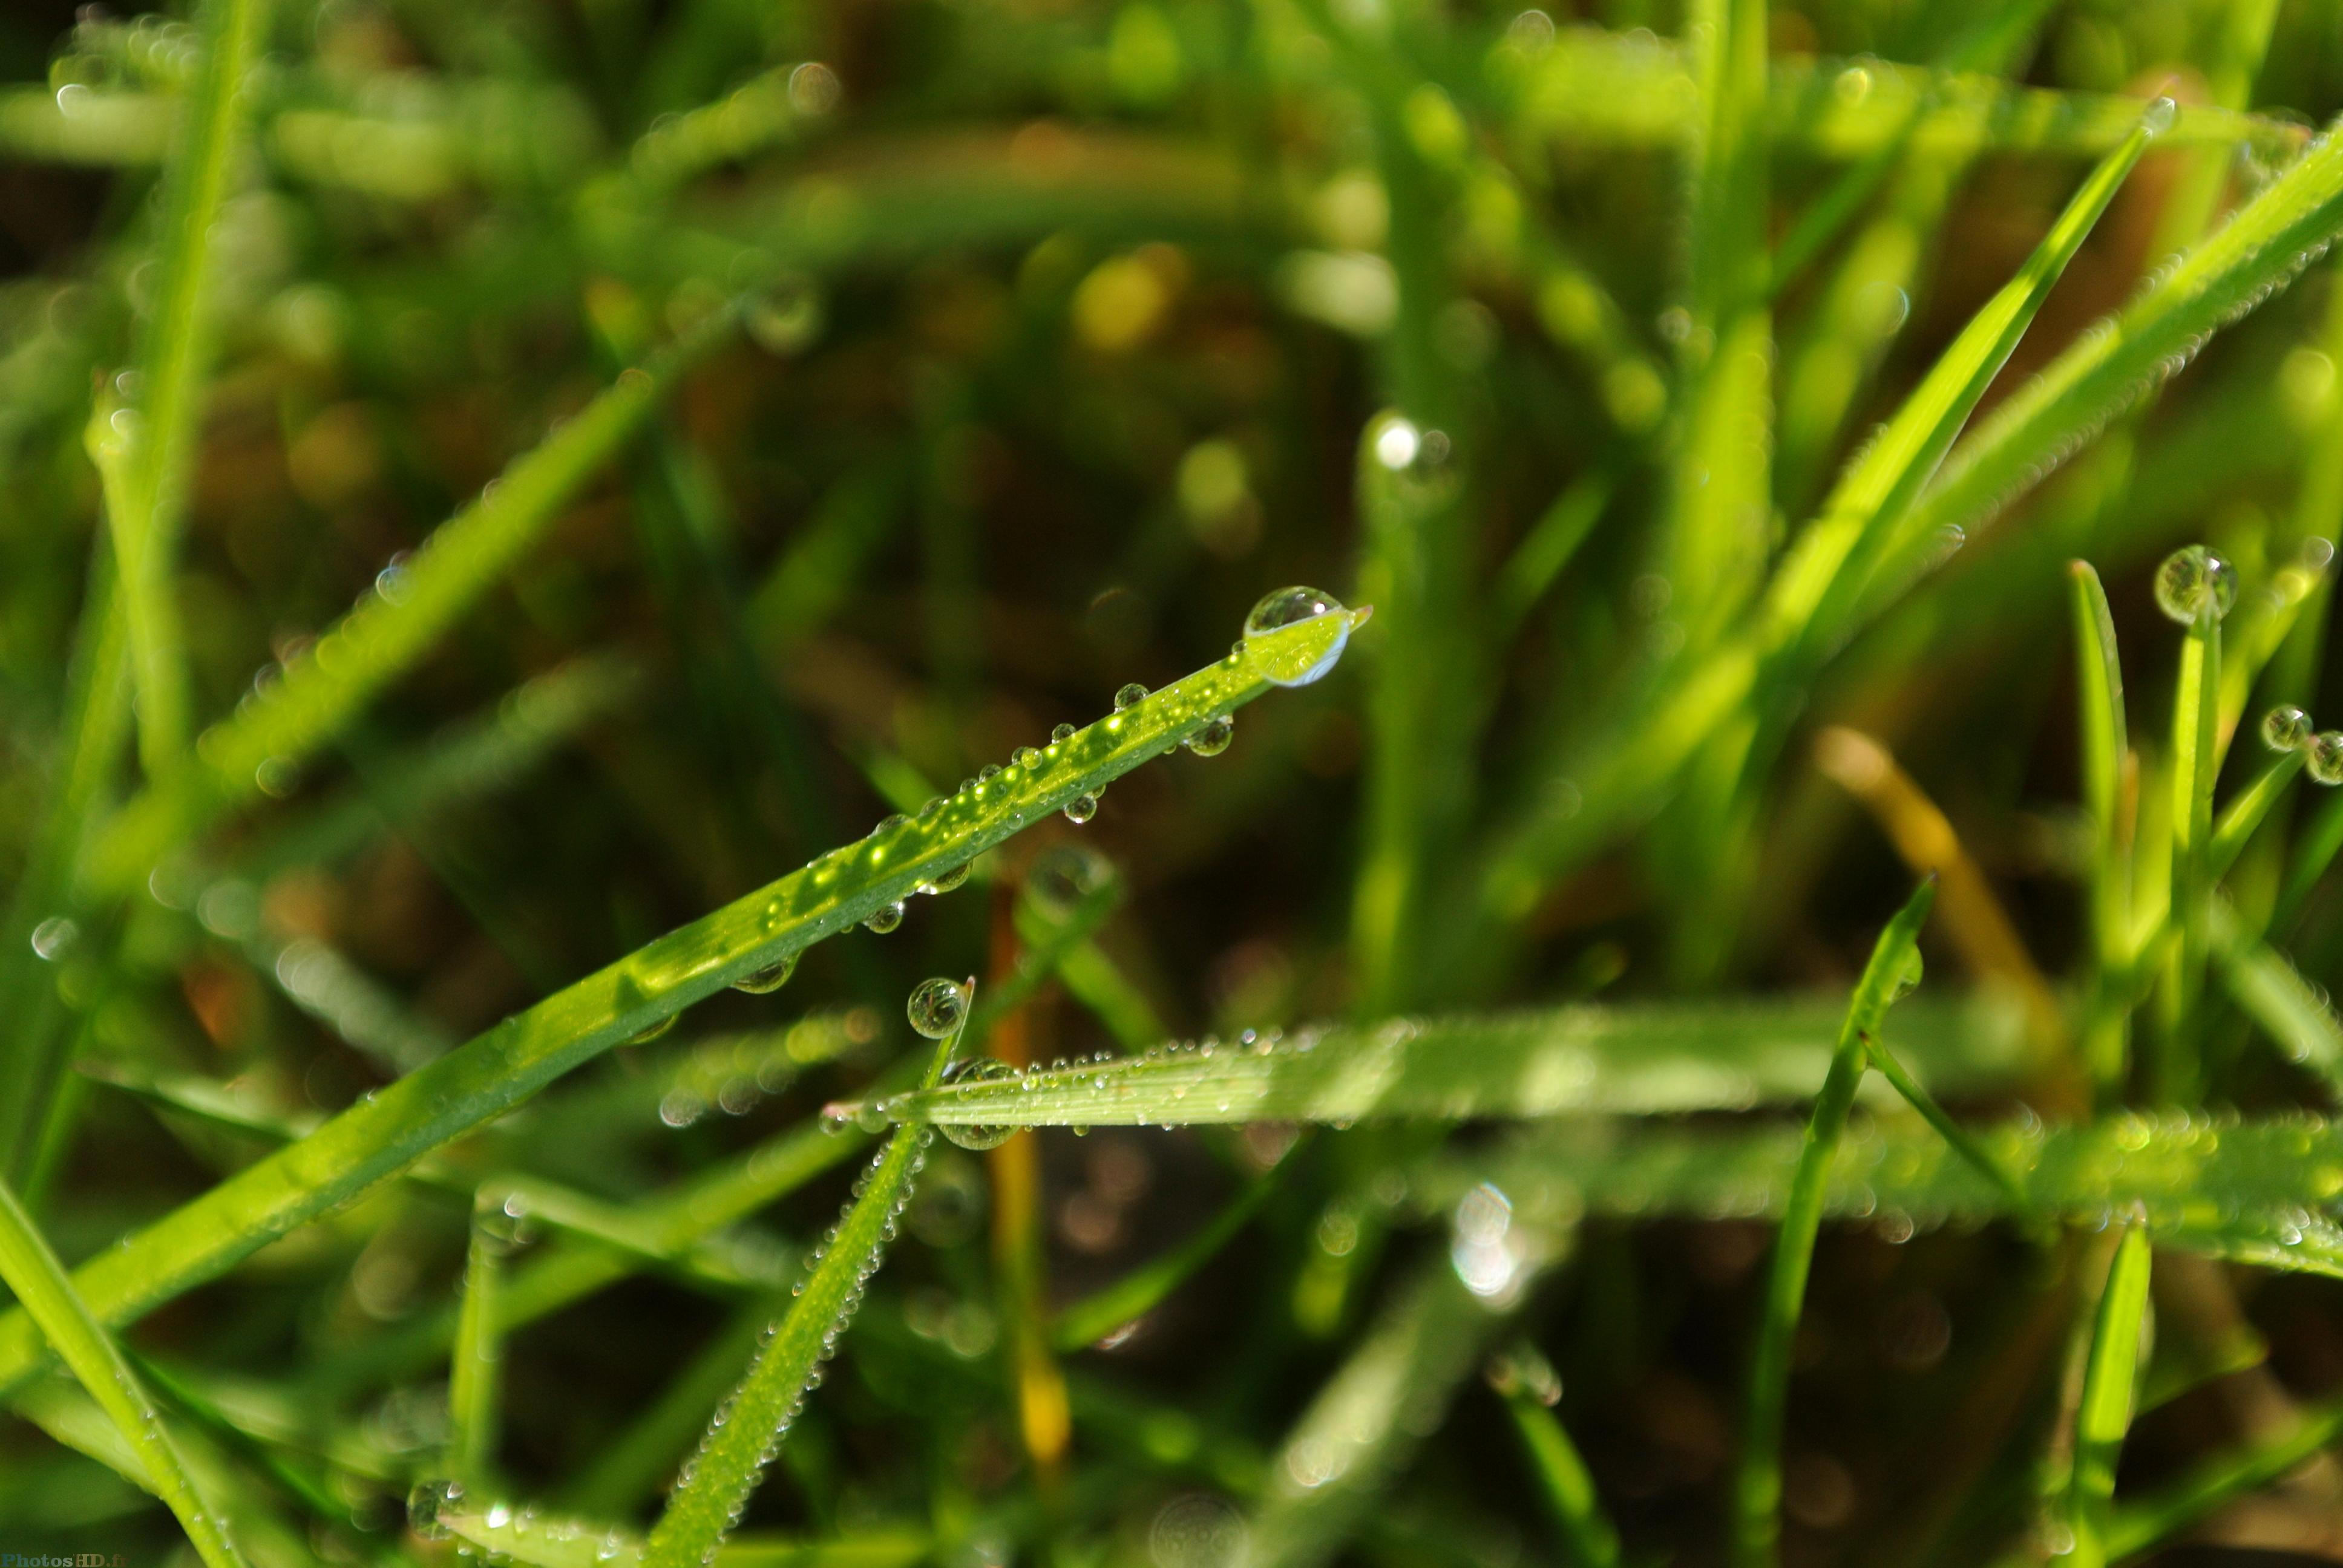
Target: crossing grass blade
{"x":2269,"y":989}
{"x":1096,"y":1316}
{"x":1627,"y":1060}
{"x":39,"y":1281}
{"x":496,"y":1070}
{"x":2110,"y":1382}
{"x":716,"y":1482}
{"x":393,"y":626}
{"x":1757,"y":1484}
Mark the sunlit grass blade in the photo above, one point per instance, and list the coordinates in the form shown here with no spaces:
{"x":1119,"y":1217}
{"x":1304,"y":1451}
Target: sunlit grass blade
{"x":1959,"y":1138}
{"x":475,"y":1368}
{"x":2269,"y":989}
{"x":2246,"y":812}
{"x":2109,"y":1384}
{"x":2102,"y":744}
{"x":1527,"y":1384}
{"x":1548,"y":548}
{"x":39,"y":1281}
{"x":2262,"y":247}
{"x":533,"y":1540}
{"x":754,"y":935}
{"x":716,"y":1482}
{"x":1758,"y":1483}
{"x":1098,"y":1316}
{"x":1642,"y":1059}
{"x":237,"y":759}
{"x":2196,"y":761}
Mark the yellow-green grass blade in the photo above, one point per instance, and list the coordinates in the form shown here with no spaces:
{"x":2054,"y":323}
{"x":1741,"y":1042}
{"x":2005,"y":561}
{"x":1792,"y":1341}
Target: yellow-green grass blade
{"x":496,"y":1070}
{"x":2195,"y":759}
{"x":2268,"y":988}
{"x":749,"y":1427}
{"x":1646,"y":1060}
{"x":476,"y":1369}
{"x":1757,"y":1481}
{"x":392,"y":627}
{"x":39,"y":1284}
{"x":2110,"y":1382}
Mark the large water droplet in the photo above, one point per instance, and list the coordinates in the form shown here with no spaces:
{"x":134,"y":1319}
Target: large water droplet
{"x":426,"y":1503}
{"x":945,"y":881}
{"x":978,"y":1069}
{"x":1062,"y":733}
{"x":937,"y":1007}
{"x":2323,"y":760}
{"x":1064,"y":875}
{"x":1213,"y":738}
{"x":652,"y":1031}
{"x":1082,"y":808}
{"x":1291,"y":607}
{"x":2194,"y":582}
{"x":771,"y":977}
{"x":885,"y":917}
{"x":1129,"y":696}
{"x":2157,"y":117}
{"x":2283,"y":729}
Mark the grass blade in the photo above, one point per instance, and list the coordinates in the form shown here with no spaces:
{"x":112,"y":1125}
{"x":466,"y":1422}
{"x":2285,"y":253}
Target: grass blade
{"x":476,"y":1369}
{"x":1757,"y":1485}
{"x":39,"y":1281}
{"x":1530,"y":1390}
{"x":2196,"y":759}
{"x":1962,"y":1142}
{"x":393,"y":626}
{"x":2244,"y":813}
{"x":496,"y":1070}
{"x":2268,"y":988}
{"x":1099,"y":1314}
{"x":2109,"y":1384}
{"x":1640,"y":1061}
{"x":715,"y":1484}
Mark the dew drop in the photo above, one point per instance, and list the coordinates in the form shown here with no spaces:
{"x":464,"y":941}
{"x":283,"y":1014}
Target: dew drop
{"x":2157,"y":117}
{"x":2323,"y":760}
{"x":1082,"y":808}
{"x":1064,"y":875}
{"x":885,"y":917}
{"x":937,"y":1007}
{"x":1213,"y":738}
{"x":426,"y":1503}
{"x":978,"y":1069}
{"x":2194,"y":582}
{"x":652,"y":1031}
{"x":2284,"y":729}
{"x":771,"y":977}
{"x":988,"y":773}
{"x":944,"y":882}
{"x":1129,"y":696}
{"x":1289,"y":607}
{"x":1025,"y":756}
{"x":52,"y":936}
{"x":1062,"y":733}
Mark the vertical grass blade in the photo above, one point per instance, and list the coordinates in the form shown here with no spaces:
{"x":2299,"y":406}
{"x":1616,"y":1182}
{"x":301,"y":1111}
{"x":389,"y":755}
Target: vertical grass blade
{"x":2102,"y":745}
{"x":1529,"y":1388}
{"x":38,"y":1280}
{"x":2195,"y":759}
{"x":475,"y":1367}
{"x":2109,"y":1383}
{"x":748,"y":1430}
{"x":1757,"y":1486}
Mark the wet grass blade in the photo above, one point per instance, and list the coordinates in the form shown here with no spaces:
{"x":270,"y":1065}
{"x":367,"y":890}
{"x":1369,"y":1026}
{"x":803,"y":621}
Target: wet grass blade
{"x":2269,"y":989}
{"x":716,"y":1482}
{"x":1530,"y":1390}
{"x":475,"y":1368}
{"x":1961,"y":1140}
{"x":2110,"y":1384}
{"x":1757,"y":1485}
{"x":1644,"y":1060}
{"x":496,"y":1070}
{"x":393,"y":626}
{"x":2196,"y":759}
{"x":38,"y":1280}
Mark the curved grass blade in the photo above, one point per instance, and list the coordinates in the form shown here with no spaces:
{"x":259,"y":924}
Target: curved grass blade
{"x":39,"y":1281}
{"x":2262,"y":249}
{"x":496,"y":1070}
{"x":1757,"y":1486}
{"x":393,"y":625}
{"x":2110,"y":1381}
{"x":716,"y":1482}
{"x":1640,"y":1061}
{"x":1098,"y":1316}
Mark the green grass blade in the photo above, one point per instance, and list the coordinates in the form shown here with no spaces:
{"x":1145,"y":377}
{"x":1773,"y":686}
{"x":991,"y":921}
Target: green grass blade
{"x":2196,"y":759}
{"x":389,"y":630}
{"x":2312,"y":854}
{"x":1629,"y":1060}
{"x":1757,"y":1484}
{"x":2269,"y":989}
{"x":2110,"y":1381}
{"x":2102,"y":744}
{"x":716,"y":1482}
{"x":475,"y":1368}
{"x":1096,"y":1316}
{"x":2245,"y":813}
{"x":496,"y":1070}
{"x":2216,"y":1483}
{"x":2262,"y":247}
{"x":1530,"y":1389}
{"x":39,"y":1281}
{"x":1959,"y":1138}
{"x":1548,"y":549}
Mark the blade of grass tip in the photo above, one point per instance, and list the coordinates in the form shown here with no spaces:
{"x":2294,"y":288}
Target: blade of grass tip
{"x":750,"y":939}
{"x":1963,"y":1141}
{"x":393,"y":623}
{"x":2109,"y":1384}
{"x":39,"y":1281}
{"x":145,"y":498}
{"x":716,"y":1482}
{"x":1526,"y":1382}
{"x":1757,"y":1486}
{"x":1099,"y":1315}
{"x":2196,"y":721}
{"x":475,"y":1367}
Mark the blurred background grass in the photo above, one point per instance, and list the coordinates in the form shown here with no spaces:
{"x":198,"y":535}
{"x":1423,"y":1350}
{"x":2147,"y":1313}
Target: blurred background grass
{"x":1064,"y":325}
